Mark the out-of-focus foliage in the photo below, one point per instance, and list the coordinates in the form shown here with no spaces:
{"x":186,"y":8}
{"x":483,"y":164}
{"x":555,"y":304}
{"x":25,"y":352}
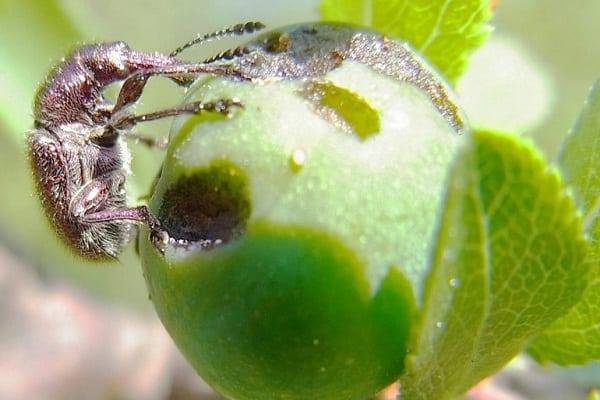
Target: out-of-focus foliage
{"x":575,"y":338}
{"x":562,"y":39}
{"x":579,"y":161}
{"x":23,"y":62}
{"x":506,"y":87}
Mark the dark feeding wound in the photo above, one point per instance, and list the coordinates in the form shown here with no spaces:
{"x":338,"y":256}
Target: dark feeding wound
{"x":210,"y":205}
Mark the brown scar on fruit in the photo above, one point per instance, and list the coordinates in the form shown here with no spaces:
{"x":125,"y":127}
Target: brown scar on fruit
{"x":207,"y":207}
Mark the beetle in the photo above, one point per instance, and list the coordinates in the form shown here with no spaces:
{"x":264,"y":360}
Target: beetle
{"x":76,"y":148}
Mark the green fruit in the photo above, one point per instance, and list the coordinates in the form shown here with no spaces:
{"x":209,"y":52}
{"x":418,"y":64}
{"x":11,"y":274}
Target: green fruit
{"x":315,"y":226}
{"x":285,"y":313}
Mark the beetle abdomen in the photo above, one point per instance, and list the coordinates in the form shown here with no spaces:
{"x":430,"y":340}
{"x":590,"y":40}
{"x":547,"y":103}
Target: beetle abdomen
{"x":92,"y":241}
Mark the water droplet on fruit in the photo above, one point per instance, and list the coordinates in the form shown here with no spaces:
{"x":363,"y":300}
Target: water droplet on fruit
{"x":439,"y":324}
{"x":298,"y":159}
{"x":454,"y":282}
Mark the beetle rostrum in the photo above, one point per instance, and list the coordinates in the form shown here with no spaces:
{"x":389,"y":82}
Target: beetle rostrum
{"x":77,"y":150}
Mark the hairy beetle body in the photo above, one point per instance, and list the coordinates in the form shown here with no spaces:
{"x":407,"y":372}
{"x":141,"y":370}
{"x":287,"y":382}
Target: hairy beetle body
{"x":59,"y":161}
{"x":76,"y":148}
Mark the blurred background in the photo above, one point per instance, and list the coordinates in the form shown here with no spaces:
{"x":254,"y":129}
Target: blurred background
{"x":71,"y":329}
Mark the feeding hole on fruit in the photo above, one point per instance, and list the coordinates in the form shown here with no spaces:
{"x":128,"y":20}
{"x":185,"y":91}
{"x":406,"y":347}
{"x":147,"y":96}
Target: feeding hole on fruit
{"x":209,"y":206}
{"x":343,"y":108}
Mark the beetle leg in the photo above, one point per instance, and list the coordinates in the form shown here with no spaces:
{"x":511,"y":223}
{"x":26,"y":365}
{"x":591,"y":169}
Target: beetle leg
{"x":149,"y":141}
{"x":89,"y":204}
{"x":86,"y":205}
{"x":137,"y":214}
{"x":185,"y":73}
{"x":223,"y":106}
{"x":91,"y":197}
{"x":131,"y":91}
{"x":182,"y":73}
{"x":140,"y":214}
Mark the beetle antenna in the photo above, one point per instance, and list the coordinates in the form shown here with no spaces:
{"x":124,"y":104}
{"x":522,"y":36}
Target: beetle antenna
{"x":229,"y":54}
{"x":235,"y":30}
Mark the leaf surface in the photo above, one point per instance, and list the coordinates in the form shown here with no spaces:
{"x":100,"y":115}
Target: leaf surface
{"x":507,"y":263}
{"x":575,"y":338}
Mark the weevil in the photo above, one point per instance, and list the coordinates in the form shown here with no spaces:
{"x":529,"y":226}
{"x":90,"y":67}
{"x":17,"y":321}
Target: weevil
{"x":76,"y":148}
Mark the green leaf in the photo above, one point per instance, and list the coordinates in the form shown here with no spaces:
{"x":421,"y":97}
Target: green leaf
{"x":508,"y":262}
{"x":575,"y":338}
{"x":579,"y":161}
{"x":445,"y":31}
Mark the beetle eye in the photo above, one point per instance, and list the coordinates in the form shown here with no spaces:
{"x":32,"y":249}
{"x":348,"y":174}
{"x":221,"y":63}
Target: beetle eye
{"x":107,"y":139}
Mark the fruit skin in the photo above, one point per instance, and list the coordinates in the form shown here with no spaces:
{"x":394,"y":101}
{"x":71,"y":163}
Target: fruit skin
{"x":312,"y":297}
{"x":283,"y":313}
